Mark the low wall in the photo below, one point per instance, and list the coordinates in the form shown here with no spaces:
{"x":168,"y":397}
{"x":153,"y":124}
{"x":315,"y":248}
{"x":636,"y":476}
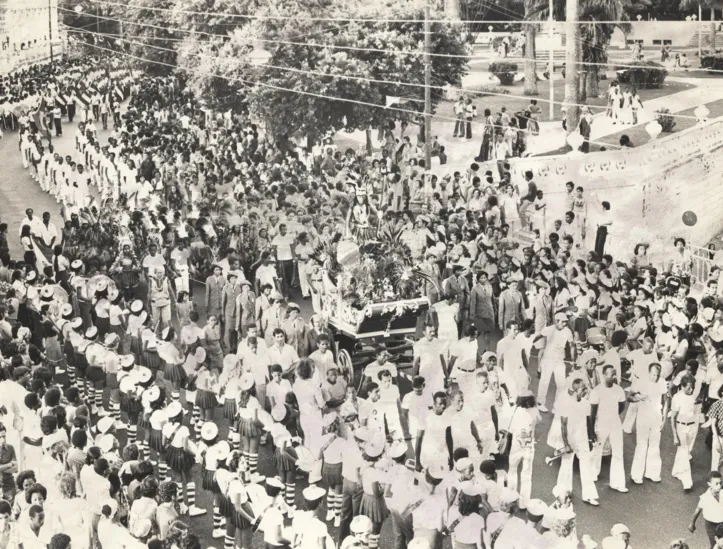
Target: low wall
{"x":649,"y":187}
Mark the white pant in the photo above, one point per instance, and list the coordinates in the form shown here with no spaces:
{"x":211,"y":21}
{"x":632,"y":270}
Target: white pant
{"x":647,"y":447}
{"x":630,"y":415}
{"x":525,"y":456}
{"x":549,"y":368}
{"x":605,"y":430}
{"x":182,"y":281}
{"x":304,"y":278}
{"x":587,"y":476}
{"x":681,"y":466}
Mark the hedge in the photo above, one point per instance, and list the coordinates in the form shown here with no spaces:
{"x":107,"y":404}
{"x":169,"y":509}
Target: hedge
{"x":647,"y":74}
{"x":713,"y":62}
{"x":504,"y":71}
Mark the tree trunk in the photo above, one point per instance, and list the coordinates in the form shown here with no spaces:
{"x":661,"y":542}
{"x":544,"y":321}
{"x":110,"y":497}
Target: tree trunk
{"x":712,"y":30}
{"x":369,"y":140}
{"x":530,"y":61}
{"x":583,"y":83}
{"x":593,"y":84}
{"x":572,"y":69}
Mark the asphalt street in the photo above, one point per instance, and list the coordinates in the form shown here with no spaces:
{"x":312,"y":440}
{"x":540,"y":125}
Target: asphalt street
{"x":655,"y":513}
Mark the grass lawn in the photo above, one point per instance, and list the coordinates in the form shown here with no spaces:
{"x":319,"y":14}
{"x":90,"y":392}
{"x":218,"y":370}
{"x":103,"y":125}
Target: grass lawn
{"x":513,"y":104}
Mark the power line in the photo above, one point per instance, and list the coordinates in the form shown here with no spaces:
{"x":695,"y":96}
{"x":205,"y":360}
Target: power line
{"x":329,"y":19}
{"x":393,"y":83}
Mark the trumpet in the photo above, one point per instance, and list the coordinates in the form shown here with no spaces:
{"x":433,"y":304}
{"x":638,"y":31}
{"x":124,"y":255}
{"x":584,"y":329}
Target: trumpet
{"x":549,"y":460}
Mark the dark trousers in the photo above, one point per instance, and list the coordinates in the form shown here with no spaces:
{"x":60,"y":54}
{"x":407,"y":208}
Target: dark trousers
{"x":484,"y":150}
{"x":710,"y":531}
{"x":350,"y":502}
{"x":600,"y":237}
{"x":96,"y":112}
{"x":459,"y":127}
{"x":71,"y":111}
{"x":468,"y":125}
{"x":58,"y":127}
{"x":402,"y":531}
{"x":286,"y":271}
{"x":104,"y":117}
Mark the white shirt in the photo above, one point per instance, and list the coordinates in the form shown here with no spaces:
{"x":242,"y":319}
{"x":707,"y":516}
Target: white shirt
{"x":36,"y":225}
{"x":283,"y":247}
{"x":555,"y":342}
{"x":607,"y":399}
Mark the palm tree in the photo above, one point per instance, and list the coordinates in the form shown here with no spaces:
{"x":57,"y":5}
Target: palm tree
{"x":530,"y":61}
{"x":712,"y":5}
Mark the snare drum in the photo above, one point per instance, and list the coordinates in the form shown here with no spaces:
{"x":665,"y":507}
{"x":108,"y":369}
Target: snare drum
{"x":596,"y":335}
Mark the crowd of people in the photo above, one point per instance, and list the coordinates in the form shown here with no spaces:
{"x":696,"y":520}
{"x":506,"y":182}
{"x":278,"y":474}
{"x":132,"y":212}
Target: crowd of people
{"x":125,"y":389}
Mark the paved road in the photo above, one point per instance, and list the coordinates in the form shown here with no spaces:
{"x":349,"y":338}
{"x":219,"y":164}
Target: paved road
{"x":655,"y":513}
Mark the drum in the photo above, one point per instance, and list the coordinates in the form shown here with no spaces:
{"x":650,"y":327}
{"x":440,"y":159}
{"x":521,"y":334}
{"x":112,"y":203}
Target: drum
{"x":596,"y":335}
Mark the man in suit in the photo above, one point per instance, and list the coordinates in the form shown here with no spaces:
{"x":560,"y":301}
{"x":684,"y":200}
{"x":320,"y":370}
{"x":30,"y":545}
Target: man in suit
{"x":511,"y":307}
{"x":482,"y":310}
{"x":214,"y":293}
{"x":457,"y":286}
{"x":228,"y":305}
{"x":542,"y":307}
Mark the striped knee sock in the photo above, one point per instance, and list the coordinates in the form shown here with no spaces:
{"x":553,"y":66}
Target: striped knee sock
{"x":228,"y":542}
{"x":196,"y":419}
{"x":337,"y":504}
{"x":290,"y":495}
{"x":71,"y":375}
{"x":91,"y":395}
{"x":197,"y":428}
{"x":115,"y":410}
{"x":373,"y":541}
{"x":132,"y":433}
{"x":175,"y":396}
{"x":99,"y":399}
{"x":191,"y":489}
{"x":330,"y":501}
{"x":180,"y":493}
{"x":216,"y":518}
{"x":253,"y":463}
{"x":162,"y":470}
{"x":234,"y":439}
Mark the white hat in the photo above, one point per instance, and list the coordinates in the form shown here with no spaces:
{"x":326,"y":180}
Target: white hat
{"x":104,"y":425}
{"x":32,"y":275}
{"x":313,"y":492}
{"x":374,"y":447}
{"x":558,"y":491}
{"x":128,"y":382}
{"x":463,"y":464}
{"x":508,"y":495}
{"x":246,"y":382}
{"x":105,"y":443}
{"x":102,"y":286}
{"x":362,"y":433}
{"x":110,"y":338}
{"x":536,"y":507}
{"x":76,"y":323}
{"x":66,"y":310}
{"x":127,"y":360}
{"x":222,"y":450}
{"x":152,"y":394}
{"x":293,"y":305}
{"x":174,"y":409}
{"x":278,"y":412}
{"x":77,"y":264}
{"x":47,"y":291}
{"x":398,"y":449}
{"x":619,"y":529}
{"x":209,"y":431}
{"x":200,"y":355}
{"x":274,"y":482}
{"x":470,"y":488}
{"x":113,"y":294}
{"x":91,"y":332}
{"x":165,"y":333}
{"x":137,"y":306}
{"x":360,"y":524}
{"x":144,"y":374}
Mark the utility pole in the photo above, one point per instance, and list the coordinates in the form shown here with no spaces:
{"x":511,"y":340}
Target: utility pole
{"x":551,"y":70}
{"x":700,"y":32}
{"x":427,"y":89}
{"x":50,"y":28}
{"x":572,"y":62}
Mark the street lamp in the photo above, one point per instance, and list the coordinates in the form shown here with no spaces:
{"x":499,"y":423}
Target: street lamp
{"x":259,"y":56}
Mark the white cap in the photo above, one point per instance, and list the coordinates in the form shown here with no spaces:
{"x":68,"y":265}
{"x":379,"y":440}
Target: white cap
{"x":274,"y":482}
{"x":141,"y":528}
{"x":137,"y":306}
{"x":66,"y":310}
{"x":47,"y":291}
{"x":508,"y":495}
{"x":470,"y":488}
{"x":209,"y":431}
{"x":313,"y":492}
{"x":360,"y":524}
{"x":222,"y":450}
{"x":246,"y":382}
{"x":619,"y":529}
{"x":536,"y":507}
{"x":105,"y":443}
{"x":144,"y":374}
{"x":374,"y":447}
{"x":463,"y":464}
{"x":76,"y":323}
{"x":104,"y":425}
{"x":91,"y":332}
{"x":127,"y":360}
{"x":398,"y":449}
{"x":174,"y":409}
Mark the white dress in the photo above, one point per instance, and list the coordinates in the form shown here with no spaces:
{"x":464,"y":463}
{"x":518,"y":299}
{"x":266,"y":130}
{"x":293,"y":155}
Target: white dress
{"x":447,"y":317}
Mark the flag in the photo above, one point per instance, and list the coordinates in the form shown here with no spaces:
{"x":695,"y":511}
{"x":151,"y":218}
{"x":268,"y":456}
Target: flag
{"x":118,"y":92}
{"x":60,"y":99}
{"x":40,"y":117}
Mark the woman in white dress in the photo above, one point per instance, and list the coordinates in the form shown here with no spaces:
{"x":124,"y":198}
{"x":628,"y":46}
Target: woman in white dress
{"x":447,"y":315}
{"x":311,"y":402}
{"x":70,"y":513}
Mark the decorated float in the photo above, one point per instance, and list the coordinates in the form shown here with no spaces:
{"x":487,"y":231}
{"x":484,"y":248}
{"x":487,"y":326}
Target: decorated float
{"x":376,"y":300}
